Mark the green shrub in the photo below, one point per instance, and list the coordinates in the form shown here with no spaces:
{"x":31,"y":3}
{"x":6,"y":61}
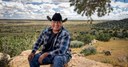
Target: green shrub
{"x":89,"y":50}
{"x":125,"y":35}
{"x":76,"y":44}
{"x":14,"y":45}
{"x":115,"y":34}
{"x":103,"y":37}
{"x":120,"y":34}
{"x":87,"y":38}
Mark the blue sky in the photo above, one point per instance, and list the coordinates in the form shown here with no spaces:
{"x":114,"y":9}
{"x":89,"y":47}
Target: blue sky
{"x":39,"y":9}
{"x":126,"y":1}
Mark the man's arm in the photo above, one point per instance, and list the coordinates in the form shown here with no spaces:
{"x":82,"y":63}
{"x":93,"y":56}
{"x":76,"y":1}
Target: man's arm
{"x":42,"y":57}
{"x":36,"y":46}
{"x":38,"y":43}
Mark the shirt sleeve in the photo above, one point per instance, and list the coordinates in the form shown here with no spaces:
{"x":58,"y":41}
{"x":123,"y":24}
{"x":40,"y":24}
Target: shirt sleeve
{"x":64,"y":46}
{"x":38,"y":43}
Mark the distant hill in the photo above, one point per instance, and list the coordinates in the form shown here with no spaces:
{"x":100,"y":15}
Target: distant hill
{"x":114,"y":24}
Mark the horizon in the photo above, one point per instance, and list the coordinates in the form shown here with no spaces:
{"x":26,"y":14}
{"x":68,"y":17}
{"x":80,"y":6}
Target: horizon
{"x":68,"y":19}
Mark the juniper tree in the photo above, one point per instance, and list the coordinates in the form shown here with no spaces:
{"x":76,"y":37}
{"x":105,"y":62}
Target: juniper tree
{"x":89,"y":7}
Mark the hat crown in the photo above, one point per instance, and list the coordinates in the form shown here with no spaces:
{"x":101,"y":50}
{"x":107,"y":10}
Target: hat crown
{"x":57,"y":17}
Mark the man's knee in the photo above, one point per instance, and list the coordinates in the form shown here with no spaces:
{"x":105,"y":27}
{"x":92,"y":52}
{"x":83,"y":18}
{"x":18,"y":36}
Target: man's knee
{"x":58,"y":59}
{"x":35,"y":59}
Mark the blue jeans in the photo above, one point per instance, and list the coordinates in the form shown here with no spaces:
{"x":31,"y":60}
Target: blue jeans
{"x":57,"y":61}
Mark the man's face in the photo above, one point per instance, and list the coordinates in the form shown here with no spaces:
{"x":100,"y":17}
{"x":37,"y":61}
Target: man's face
{"x":56,"y":25}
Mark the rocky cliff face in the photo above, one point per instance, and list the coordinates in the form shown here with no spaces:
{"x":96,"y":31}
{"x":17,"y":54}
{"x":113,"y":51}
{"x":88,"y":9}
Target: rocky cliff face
{"x":76,"y":61}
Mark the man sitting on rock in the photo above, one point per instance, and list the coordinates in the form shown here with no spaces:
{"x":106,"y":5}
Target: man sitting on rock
{"x":55,"y":42}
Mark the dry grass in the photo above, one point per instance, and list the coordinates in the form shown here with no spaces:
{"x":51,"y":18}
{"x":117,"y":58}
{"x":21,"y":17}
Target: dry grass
{"x":119,"y":48}
{"x":119,"y":52}
{"x":76,"y":50}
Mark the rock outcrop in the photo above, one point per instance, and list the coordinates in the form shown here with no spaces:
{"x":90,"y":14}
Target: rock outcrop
{"x":76,"y":61}
{"x":4,"y":59}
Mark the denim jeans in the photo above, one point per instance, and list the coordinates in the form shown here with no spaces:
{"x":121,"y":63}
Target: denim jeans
{"x":57,"y":61}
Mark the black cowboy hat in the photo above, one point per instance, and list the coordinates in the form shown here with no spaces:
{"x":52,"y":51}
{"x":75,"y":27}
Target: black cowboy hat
{"x":57,"y":17}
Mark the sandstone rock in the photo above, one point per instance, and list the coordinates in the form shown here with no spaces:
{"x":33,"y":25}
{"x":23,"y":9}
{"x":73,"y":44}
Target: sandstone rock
{"x":80,"y":61}
{"x":5,"y":56}
{"x":76,"y":61}
{"x":4,"y":59}
{"x":22,"y":60}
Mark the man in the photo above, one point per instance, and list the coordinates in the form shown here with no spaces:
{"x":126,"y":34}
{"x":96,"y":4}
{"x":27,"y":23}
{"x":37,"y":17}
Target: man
{"x":55,"y":41}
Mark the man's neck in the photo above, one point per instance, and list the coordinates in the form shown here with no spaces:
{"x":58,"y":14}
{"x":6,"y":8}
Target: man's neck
{"x":55,"y":32}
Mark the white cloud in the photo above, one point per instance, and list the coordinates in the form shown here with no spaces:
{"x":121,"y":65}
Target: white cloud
{"x":119,"y":4}
{"x":48,"y":6}
{"x":9,"y":4}
{"x":1,"y":13}
{"x":39,"y":9}
{"x":36,"y":0}
{"x":32,"y":7}
{"x":120,"y":10}
{"x":41,"y":0}
{"x":1,"y":7}
{"x":19,"y":6}
{"x":117,"y":12}
{"x":47,"y":1}
{"x":0,"y":1}
{"x":25,"y":1}
{"x":64,"y":5}
{"x":60,"y":0}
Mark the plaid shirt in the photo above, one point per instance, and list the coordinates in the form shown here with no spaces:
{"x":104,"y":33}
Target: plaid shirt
{"x":61,"y":43}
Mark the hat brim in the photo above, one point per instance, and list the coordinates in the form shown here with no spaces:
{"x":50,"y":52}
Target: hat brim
{"x":62,"y":20}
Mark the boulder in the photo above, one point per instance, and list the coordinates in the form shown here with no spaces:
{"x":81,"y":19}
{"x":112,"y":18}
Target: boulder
{"x":107,"y":52}
{"x":76,"y":61}
{"x":4,"y":59}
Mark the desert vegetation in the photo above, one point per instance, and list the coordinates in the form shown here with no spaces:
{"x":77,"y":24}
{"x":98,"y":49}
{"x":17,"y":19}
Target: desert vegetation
{"x":17,"y":36}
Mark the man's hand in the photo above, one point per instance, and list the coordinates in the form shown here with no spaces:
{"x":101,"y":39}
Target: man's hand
{"x":30,"y":57}
{"x":42,"y":57}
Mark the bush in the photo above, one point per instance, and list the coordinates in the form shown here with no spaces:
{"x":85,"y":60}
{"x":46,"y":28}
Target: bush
{"x":89,"y":50}
{"x":14,"y":45}
{"x":87,"y":38}
{"x":76,"y":44}
{"x":125,"y":35}
{"x":103,"y":37}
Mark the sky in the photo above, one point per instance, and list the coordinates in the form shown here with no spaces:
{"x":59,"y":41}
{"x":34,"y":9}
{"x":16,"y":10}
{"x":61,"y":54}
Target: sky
{"x":39,"y":9}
